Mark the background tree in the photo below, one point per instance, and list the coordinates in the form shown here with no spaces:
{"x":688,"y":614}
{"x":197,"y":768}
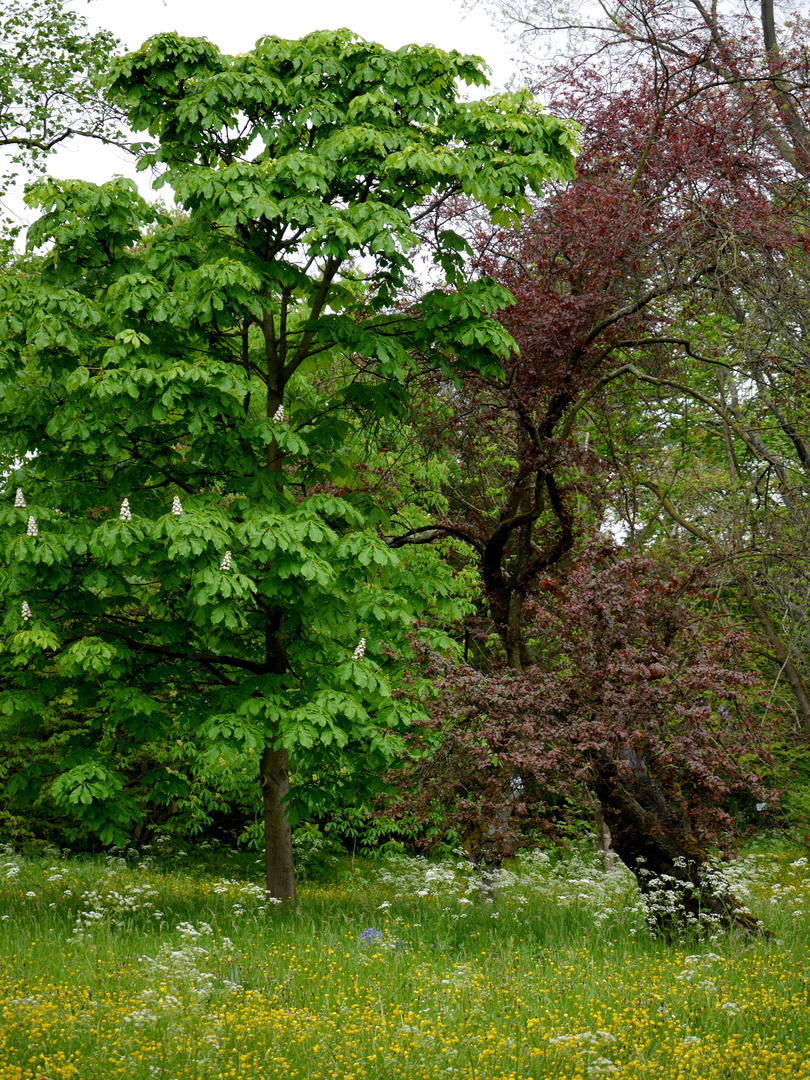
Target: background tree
{"x":758,"y":58}
{"x":718,"y":121}
{"x":51,"y":84}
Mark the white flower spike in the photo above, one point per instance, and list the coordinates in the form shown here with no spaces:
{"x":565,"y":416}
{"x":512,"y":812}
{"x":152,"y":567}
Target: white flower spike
{"x":177,"y":508}
{"x":19,"y":498}
{"x":278,"y":415}
{"x":227,"y":561}
{"x":125,"y":514}
{"x":32,"y":526}
{"x":26,"y":611}
{"x":360,"y":651}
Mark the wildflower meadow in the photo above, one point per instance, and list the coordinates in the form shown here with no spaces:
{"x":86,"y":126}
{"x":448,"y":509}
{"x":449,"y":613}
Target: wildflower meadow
{"x":171,"y":964}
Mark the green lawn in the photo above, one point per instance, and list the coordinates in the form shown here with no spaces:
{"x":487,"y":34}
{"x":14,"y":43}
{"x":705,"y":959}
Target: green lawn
{"x":173,"y":967}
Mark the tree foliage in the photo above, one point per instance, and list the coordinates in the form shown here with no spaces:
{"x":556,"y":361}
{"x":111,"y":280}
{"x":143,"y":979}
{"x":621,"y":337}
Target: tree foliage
{"x":196,"y":557}
{"x":50,"y":83}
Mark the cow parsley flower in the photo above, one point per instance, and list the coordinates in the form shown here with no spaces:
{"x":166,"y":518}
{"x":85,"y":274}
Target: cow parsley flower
{"x":278,"y":415}
{"x":177,"y":508}
{"x":360,"y":651}
{"x":125,"y":514}
{"x":19,"y":498}
{"x":32,"y":526}
{"x":26,"y":611}
{"x":227,"y":561}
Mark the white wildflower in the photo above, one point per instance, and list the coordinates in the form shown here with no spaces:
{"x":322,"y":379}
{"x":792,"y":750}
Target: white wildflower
{"x":32,"y":526}
{"x":125,"y":514}
{"x":227,"y":561}
{"x":177,"y":508}
{"x":19,"y":498}
{"x":26,"y":611}
{"x":278,"y":415}
{"x":360,"y":651}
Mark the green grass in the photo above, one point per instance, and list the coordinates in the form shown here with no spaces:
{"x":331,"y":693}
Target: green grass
{"x":174,"y":967}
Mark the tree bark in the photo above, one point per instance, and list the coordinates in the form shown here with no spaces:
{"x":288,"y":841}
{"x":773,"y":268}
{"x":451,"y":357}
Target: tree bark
{"x":604,"y":840}
{"x":654,"y":841}
{"x":274,"y":778}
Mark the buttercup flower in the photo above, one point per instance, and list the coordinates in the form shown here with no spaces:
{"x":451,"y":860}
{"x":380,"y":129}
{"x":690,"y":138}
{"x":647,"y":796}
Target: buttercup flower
{"x":125,"y":514}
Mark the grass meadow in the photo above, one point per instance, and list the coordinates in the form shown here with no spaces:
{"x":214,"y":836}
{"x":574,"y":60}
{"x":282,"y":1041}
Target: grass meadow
{"x":169,"y":964}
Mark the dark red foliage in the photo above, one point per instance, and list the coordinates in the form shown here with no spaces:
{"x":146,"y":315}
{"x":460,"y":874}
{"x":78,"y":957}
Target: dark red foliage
{"x":679,"y":200}
{"x":624,"y":664}
{"x":684,"y":201}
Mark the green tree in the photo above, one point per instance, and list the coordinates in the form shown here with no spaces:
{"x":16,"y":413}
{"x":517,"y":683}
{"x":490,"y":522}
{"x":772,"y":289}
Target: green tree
{"x":50,"y":83}
{"x":195,"y":556}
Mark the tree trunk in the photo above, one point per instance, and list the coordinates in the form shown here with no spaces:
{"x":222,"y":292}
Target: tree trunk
{"x":604,"y":841}
{"x":274,"y":779}
{"x":680,"y":885}
{"x":484,"y":850}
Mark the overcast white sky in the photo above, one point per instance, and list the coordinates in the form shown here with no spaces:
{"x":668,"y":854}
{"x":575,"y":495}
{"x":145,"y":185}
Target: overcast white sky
{"x":235,"y":25}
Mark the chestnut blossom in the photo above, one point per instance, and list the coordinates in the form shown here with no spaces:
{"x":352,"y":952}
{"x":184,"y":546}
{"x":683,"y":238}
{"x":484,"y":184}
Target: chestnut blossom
{"x":19,"y":498}
{"x":278,"y":415}
{"x":26,"y":611}
{"x":227,"y":562}
{"x":125,"y":514}
{"x":360,"y":651}
{"x":177,"y":508}
{"x":32,"y":526}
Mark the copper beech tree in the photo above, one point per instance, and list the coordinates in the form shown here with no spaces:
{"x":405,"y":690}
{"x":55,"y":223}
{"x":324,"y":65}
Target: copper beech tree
{"x":623,"y":280}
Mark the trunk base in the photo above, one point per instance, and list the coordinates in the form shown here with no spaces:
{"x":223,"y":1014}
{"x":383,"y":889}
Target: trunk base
{"x":682,"y":886}
{"x":274,"y":779}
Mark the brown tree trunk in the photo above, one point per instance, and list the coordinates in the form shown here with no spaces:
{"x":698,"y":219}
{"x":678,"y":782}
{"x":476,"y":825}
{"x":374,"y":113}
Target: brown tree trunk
{"x":274,"y":779}
{"x":655,"y":842}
